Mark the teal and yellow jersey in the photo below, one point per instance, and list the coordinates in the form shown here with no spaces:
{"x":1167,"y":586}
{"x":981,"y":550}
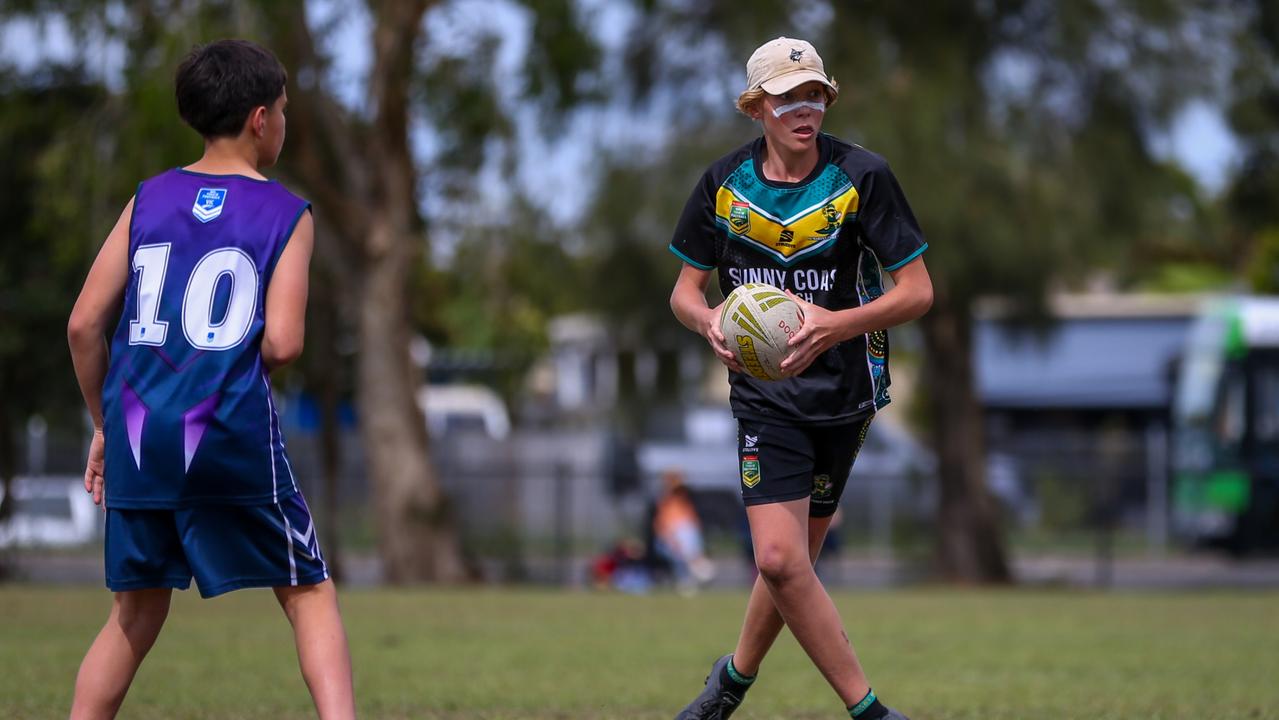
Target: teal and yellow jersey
{"x":828,"y":239}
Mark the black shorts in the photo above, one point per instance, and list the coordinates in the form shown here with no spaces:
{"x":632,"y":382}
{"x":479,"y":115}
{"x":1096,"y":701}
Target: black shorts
{"x":787,"y":462}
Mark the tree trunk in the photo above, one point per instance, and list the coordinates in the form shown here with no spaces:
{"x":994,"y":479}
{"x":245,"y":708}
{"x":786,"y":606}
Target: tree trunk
{"x":363,"y":179}
{"x":416,"y":535}
{"x":970,"y":542}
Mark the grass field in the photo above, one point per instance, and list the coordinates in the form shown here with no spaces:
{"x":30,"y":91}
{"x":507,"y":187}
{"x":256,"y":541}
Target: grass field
{"x":525,"y":655}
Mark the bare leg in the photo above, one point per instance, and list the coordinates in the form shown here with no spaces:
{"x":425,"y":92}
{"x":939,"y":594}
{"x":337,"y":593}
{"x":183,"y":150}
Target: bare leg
{"x":763,"y":623}
{"x":113,"y":659}
{"x":321,"y":644}
{"x":783,"y":538}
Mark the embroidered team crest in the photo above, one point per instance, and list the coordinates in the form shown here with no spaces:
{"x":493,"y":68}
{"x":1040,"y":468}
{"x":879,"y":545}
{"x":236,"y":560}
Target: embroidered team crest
{"x":822,"y":486}
{"x":739,"y":218}
{"x":796,"y":54}
{"x":208,"y":204}
{"x":750,"y":470}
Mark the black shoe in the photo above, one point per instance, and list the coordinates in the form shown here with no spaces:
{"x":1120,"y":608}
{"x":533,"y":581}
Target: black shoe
{"x":894,"y":715}
{"x":718,"y":699}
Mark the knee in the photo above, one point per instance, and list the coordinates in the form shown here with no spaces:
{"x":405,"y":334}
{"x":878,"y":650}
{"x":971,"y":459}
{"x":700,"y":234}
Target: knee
{"x":295,"y":599}
{"x":780,"y":566}
{"x":142,"y":611}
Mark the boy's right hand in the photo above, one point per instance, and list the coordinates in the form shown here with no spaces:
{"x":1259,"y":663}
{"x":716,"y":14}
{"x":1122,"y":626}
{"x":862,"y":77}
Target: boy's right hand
{"x":93,"y":480}
{"x":710,"y":330}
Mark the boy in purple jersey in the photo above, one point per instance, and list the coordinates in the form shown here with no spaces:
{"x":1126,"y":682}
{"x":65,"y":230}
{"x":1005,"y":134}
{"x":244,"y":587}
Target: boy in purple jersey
{"x":209,"y":265}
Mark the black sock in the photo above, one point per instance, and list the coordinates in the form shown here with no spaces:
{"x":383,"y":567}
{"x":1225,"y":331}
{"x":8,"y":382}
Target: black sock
{"x":734,"y":679}
{"x":868,"y":708}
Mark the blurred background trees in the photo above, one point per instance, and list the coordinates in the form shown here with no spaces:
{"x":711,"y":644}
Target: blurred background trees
{"x":479,"y":168}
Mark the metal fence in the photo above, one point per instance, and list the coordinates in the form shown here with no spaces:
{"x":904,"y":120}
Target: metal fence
{"x":536,"y":505}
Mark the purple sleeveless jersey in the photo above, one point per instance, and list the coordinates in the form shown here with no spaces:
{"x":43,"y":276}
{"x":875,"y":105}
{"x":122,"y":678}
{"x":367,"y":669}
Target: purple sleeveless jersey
{"x":189,"y":418}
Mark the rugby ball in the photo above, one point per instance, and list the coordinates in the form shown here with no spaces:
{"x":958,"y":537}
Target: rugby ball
{"x":757,"y":321}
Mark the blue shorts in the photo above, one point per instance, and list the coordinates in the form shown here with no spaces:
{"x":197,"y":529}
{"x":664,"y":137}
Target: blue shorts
{"x":225,"y":547}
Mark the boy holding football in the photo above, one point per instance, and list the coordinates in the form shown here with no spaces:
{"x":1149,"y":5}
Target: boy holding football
{"x":207,"y":269}
{"x":827,"y":217}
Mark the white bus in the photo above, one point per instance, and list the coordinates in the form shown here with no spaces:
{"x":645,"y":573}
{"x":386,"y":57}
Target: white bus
{"x":1225,"y":454}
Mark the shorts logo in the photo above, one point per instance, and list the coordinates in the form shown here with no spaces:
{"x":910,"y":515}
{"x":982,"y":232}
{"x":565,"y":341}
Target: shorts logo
{"x":822,"y":486}
{"x":751,"y":441}
{"x":208,"y":204}
{"x":739,"y":217}
{"x":750,"y":470}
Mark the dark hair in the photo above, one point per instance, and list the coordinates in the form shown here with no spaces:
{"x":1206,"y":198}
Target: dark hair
{"x":219,"y":84}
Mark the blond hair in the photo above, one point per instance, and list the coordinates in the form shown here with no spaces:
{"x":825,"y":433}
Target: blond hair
{"x":749,"y":99}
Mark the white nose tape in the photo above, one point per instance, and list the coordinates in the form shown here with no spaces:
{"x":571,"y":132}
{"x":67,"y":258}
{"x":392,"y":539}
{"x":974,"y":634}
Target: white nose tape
{"x":814,"y":106}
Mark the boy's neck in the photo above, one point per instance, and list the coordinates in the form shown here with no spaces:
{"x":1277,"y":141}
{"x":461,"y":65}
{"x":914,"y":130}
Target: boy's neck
{"x":782,"y":166}
{"x":228,"y":156}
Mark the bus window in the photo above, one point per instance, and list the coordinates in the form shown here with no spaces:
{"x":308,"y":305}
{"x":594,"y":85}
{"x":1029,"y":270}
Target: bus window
{"x":1265,"y":403}
{"x":1232,"y":410}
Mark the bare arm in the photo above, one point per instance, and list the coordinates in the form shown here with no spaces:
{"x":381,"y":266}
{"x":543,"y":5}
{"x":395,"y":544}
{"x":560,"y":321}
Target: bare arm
{"x":910,"y":297}
{"x":286,"y":297}
{"x":86,"y":334}
{"x":688,"y":302}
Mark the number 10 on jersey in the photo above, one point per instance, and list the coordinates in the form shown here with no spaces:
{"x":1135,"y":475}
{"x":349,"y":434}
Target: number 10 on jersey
{"x":199,"y":326}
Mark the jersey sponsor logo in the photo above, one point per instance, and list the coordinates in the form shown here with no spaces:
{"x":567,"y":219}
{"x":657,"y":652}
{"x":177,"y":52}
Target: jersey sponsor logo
{"x":208,"y":204}
{"x":739,"y":218}
{"x":750,"y":470}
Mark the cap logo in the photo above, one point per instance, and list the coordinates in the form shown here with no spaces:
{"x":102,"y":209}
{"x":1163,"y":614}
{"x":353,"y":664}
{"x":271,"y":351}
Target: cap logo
{"x":796,"y":54}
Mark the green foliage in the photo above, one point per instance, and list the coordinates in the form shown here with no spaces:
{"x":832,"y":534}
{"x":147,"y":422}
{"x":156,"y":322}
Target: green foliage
{"x":1188,"y":277}
{"x":1254,"y":116}
{"x":47,"y":207}
{"x":1263,"y":267}
{"x":562,"y":65}
{"x":505,"y":286}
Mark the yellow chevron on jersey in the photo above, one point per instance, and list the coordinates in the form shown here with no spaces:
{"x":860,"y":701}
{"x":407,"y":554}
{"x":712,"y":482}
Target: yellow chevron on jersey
{"x":809,"y":229}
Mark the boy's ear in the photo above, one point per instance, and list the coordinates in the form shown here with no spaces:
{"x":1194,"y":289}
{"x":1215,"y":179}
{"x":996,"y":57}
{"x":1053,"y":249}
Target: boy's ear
{"x":257,"y":120}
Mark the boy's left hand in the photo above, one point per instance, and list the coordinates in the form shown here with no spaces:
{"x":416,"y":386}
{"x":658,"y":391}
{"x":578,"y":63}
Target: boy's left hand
{"x":820,"y":331}
{"x":93,"y":480}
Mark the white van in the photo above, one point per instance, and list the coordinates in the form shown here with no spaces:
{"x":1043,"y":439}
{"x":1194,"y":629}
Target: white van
{"x":452,"y":409}
{"x":50,"y":512}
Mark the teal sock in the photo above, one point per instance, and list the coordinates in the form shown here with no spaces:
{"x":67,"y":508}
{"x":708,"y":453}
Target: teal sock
{"x":737,"y":677}
{"x":868,"y":708}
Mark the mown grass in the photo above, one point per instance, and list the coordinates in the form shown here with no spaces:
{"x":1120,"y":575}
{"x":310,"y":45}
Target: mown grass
{"x":535,"y":655}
